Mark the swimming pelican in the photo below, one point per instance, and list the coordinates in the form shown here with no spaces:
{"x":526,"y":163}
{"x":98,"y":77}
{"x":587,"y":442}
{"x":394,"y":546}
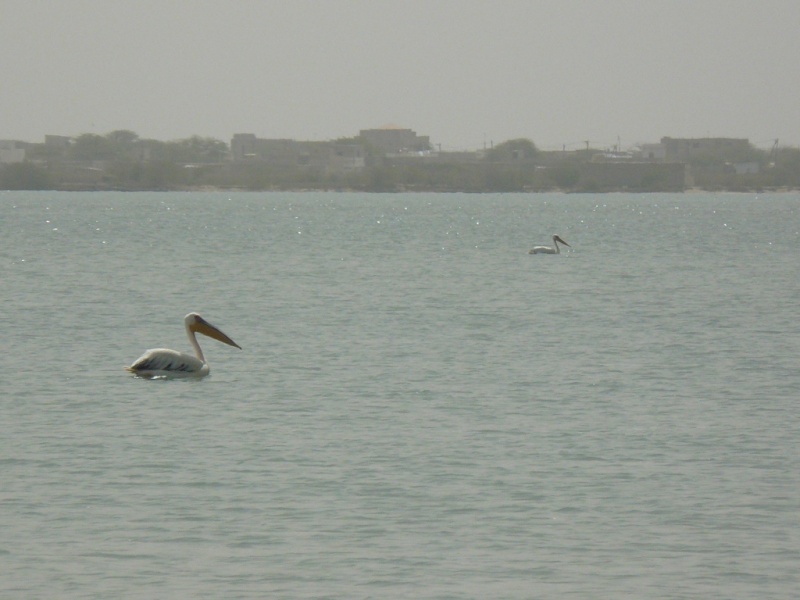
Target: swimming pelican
{"x":161,"y":362}
{"x":549,"y":249}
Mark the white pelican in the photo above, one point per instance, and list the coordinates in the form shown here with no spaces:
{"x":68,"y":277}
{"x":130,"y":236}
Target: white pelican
{"x":549,"y":249}
{"x":161,"y":362}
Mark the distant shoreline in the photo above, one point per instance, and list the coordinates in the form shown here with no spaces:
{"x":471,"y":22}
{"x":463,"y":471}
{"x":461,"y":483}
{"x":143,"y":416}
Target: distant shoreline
{"x":214,"y":189}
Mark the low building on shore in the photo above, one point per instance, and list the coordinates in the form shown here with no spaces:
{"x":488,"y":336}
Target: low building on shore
{"x":11,"y":152}
{"x":331,"y":156}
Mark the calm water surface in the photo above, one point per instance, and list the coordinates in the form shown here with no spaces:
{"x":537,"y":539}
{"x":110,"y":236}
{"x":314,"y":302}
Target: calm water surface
{"x":420,"y":409}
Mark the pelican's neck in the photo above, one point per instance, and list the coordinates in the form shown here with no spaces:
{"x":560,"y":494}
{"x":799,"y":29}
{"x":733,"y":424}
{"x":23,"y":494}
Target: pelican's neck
{"x":193,"y":340}
{"x":555,"y":242}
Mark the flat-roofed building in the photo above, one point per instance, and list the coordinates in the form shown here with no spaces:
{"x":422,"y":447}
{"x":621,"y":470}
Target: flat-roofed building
{"x":11,"y":152}
{"x":395,"y":140}
{"x":685,"y":149}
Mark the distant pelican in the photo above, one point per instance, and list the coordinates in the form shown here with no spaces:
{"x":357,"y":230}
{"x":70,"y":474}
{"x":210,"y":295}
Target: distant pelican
{"x":161,"y":362}
{"x":549,"y":249}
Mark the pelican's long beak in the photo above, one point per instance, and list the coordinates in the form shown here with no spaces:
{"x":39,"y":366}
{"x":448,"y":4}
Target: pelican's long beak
{"x":563,"y":242}
{"x":206,"y":328}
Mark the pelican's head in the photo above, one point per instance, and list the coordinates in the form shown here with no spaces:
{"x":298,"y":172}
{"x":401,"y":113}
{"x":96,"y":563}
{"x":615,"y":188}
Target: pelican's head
{"x":557,"y":238}
{"x":196,"y":323}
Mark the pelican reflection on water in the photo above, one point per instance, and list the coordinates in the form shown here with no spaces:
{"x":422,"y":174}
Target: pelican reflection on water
{"x":549,"y":249}
{"x":162,"y":362}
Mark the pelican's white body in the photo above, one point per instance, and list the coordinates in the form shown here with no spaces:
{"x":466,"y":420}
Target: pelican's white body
{"x":163,"y":362}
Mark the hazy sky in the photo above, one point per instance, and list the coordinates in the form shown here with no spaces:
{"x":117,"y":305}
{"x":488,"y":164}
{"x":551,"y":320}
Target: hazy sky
{"x":464,"y":72}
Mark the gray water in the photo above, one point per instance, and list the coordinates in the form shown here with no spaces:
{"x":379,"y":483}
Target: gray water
{"x":420,"y":410}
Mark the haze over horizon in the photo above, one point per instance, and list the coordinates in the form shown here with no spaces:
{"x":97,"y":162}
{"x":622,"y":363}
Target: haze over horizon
{"x":464,"y":72}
